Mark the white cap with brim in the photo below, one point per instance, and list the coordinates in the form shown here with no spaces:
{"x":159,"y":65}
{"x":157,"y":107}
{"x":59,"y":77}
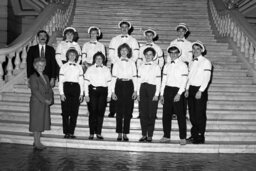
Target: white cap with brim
{"x":182,"y":25}
{"x":68,"y":28}
{"x":199,"y":43}
{"x":174,"y":45}
{"x":126,"y":22}
{"x":150,"y":30}
{"x":94,"y":27}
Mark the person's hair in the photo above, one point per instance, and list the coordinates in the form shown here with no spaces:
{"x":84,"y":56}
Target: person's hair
{"x":100,"y":54}
{"x":94,"y":29}
{"x":72,"y":50}
{"x":125,"y":22}
{"x":43,"y":31}
{"x":180,"y":27}
{"x":75,"y":34}
{"x":173,"y":49}
{"x":197,"y":44}
{"x":149,"y":49}
{"x":38,"y":59}
{"x":122,"y":46}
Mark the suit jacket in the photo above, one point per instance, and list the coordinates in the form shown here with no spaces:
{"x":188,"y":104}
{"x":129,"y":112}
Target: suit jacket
{"x":51,"y":64}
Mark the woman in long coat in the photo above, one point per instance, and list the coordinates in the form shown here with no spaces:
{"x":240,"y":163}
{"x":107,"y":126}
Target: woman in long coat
{"x":40,"y":101}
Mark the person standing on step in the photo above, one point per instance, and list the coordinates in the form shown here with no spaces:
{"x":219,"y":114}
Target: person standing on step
{"x":158,"y":59}
{"x":40,"y":101}
{"x":124,"y":92}
{"x":92,"y":47}
{"x":71,"y":91}
{"x":69,"y":37}
{"x":124,"y":37}
{"x":97,"y":86}
{"x":196,"y":91}
{"x":149,"y":81}
{"x":175,"y":75}
{"x":43,"y":50}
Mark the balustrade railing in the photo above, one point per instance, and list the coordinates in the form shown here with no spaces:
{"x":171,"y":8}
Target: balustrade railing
{"x":230,"y":23}
{"x":55,"y":17}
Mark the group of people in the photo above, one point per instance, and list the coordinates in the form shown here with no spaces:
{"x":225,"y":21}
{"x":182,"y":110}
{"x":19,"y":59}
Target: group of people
{"x":129,"y":72}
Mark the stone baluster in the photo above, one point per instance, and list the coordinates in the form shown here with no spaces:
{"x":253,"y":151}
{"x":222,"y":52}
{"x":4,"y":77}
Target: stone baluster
{"x":238,"y":39}
{"x":228,"y":26}
{"x":17,"y":62}
{"x":254,"y":57}
{"x":2,"y":58}
{"x":23,"y":57}
{"x":235,"y":33}
{"x":246,"y":48}
{"x":232,"y":29}
{"x":242,"y":42}
{"x":251,"y":53}
{"x":9,"y":68}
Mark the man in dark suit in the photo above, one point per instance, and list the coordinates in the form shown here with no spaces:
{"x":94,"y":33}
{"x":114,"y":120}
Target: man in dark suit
{"x":43,"y":50}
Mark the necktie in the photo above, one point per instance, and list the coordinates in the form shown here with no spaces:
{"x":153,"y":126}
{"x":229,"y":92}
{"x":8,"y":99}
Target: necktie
{"x":126,"y":60}
{"x":93,"y":43}
{"x":180,"y":40}
{"x":124,"y":36}
{"x":72,"y":64}
{"x":195,"y":59}
{"x":42,"y":52}
{"x":98,"y":66}
{"x":68,"y":41}
{"x":149,"y":44}
{"x":172,"y":62}
{"x":148,"y":64}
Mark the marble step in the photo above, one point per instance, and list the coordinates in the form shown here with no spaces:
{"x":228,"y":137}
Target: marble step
{"x":134,"y":135}
{"x":111,"y":144}
{"x":82,"y":121}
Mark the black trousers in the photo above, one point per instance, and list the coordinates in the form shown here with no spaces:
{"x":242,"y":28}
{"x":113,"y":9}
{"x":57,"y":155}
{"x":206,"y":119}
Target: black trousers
{"x":148,"y":109}
{"x":70,"y":107}
{"x":124,"y":105}
{"x":197,"y":112}
{"x":169,"y":108}
{"x":97,"y":106}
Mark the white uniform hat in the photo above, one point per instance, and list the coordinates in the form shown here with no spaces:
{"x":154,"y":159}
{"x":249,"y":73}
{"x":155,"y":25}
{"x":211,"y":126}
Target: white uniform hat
{"x":68,"y":28}
{"x":182,"y":25}
{"x":174,"y":45}
{"x":199,"y":43}
{"x":94,"y":27}
{"x":150,"y":30}
{"x":126,"y":22}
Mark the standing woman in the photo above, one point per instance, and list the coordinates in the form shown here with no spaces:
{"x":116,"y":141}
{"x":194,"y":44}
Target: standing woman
{"x":97,"y":93}
{"x":69,"y":37}
{"x":124,"y":90}
{"x":71,"y":92}
{"x":149,"y":80}
{"x":92,"y":47}
{"x":40,"y":101}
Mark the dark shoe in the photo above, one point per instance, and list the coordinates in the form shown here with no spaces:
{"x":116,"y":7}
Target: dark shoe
{"x":66,"y":136}
{"x":99,"y":137}
{"x":91,"y":137}
{"x":142,"y":139}
{"x":125,"y":138}
{"x":199,"y":140}
{"x":190,"y":139}
{"x":149,"y":139}
{"x":119,"y":139}
{"x":111,"y":115}
{"x":72,"y":136}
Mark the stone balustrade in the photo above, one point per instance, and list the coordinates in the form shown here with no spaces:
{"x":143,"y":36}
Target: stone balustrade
{"x":54,"y":18}
{"x":229,"y":23}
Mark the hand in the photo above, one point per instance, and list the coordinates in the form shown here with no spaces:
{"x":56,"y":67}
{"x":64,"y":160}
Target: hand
{"x":48,"y":102}
{"x":114,"y":97}
{"x":28,"y":84}
{"x":87,"y":99}
{"x":198,"y":95}
{"x":186,"y":94}
{"x":155,"y":98}
{"x":134,"y":95}
{"x":62,"y":97}
{"x":108,"y":99}
{"x":161,"y":99}
{"x":81,"y":98}
{"x":138,"y":98}
{"x":176,"y":98}
{"x":52,"y":82}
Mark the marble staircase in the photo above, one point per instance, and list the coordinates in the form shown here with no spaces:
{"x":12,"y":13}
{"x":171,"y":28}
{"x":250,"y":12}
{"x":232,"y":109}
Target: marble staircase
{"x":231,"y":109}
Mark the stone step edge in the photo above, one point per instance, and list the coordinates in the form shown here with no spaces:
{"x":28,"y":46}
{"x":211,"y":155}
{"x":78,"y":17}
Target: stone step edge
{"x":172,"y":147}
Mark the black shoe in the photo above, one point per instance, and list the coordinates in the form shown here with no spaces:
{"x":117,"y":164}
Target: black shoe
{"x":99,"y":137}
{"x":72,"y":136}
{"x":66,"y":136}
{"x":119,"y":139}
{"x":142,"y":139}
{"x":111,"y":115}
{"x":199,"y":140}
{"x":190,"y":139}
{"x":125,"y":138}
{"x":149,"y":139}
{"x":90,"y":137}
